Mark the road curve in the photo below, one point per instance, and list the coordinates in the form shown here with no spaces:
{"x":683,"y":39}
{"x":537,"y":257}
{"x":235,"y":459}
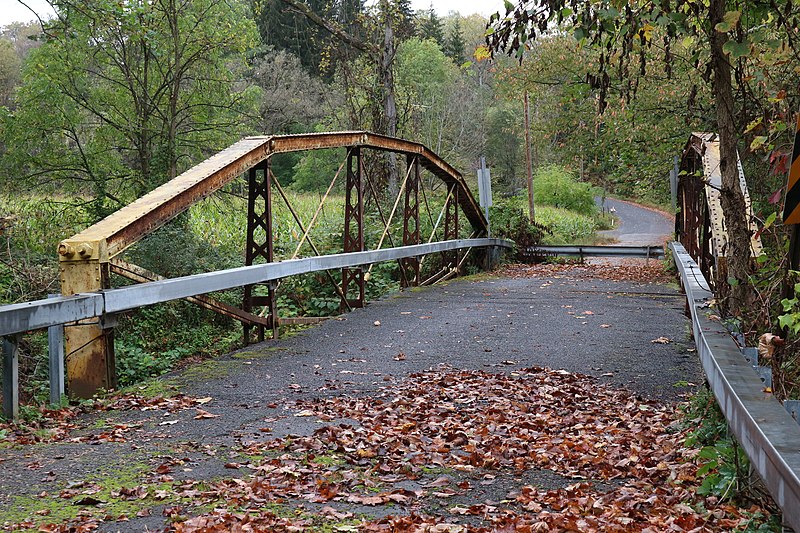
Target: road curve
{"x":638,"y":225}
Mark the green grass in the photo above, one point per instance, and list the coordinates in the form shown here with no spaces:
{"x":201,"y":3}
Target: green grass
{"x":222,"y":222}
{"x":51,"y":508}
{"x":38,"y":224}
{"x":568,"y":227}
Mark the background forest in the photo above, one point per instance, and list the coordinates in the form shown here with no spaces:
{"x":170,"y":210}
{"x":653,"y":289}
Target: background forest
{"x":108,"y":100}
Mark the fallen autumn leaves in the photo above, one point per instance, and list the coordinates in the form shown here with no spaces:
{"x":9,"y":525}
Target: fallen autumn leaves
{"x":468,"y":429}
{"x":437,"y":452}
{"x":53,"y":425}
{"x":637,"y":270}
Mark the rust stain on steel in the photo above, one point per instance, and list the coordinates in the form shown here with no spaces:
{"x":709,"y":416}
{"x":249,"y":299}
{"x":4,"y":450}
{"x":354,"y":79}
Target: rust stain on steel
{"x":115,"y":233}
{"x":142,"y":275}
{"x":90,"y":352}
{"x":707,"y":146}
{"x":154,"y":209}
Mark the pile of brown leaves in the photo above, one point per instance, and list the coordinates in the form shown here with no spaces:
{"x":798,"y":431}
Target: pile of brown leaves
{"x":636,"y":270}
{"x":49,"y":425}
{"x":52,"y":425}
{"x":635,"y":473}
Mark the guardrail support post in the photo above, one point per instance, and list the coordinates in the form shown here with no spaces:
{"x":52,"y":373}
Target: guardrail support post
{"x":55,"y":340}
{"x":89,"y":346}
{"x":451,"y":259}
{"x":353,"y":227}
{"x":259,"y":240}
{"x":411,"y":221}
{"x":273,"y":308}
{"x":11,"y":377}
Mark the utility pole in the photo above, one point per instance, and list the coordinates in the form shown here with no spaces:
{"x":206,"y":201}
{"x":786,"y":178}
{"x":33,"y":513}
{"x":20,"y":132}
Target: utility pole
{"x":531,"y":212}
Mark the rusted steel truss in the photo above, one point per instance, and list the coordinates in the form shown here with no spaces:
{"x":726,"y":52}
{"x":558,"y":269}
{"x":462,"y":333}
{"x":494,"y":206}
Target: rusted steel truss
{"x":353,"y":228}
{"x":410,"y":265}
{"x":451,"y":260}
{"x":88,"y":258}
{"x":259,"y":246}
{"x":700,"y":223}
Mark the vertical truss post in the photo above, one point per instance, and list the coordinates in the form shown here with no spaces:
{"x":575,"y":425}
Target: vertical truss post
{"x":55,"y":342}
{"x":451,"y":259}
{"x":353,"y":227}
{"x":411,"y":221}
{"x":259,"y":243}
{"x":11,"y":377}
{"x":89,"y":344}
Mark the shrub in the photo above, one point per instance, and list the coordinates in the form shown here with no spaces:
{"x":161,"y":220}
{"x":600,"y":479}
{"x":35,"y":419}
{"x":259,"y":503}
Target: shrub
{"x":509,"y":220}
{"x":557,"y":187}
{"x":567,"y":227}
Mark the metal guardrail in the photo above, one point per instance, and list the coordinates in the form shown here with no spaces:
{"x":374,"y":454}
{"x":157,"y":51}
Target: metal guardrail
{"x":19,"y":318}
{"x":766,"y":432}
{"x":650,"y":252}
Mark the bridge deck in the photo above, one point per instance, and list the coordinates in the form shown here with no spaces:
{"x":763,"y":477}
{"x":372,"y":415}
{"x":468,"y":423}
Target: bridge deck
{"x":500,"y":326}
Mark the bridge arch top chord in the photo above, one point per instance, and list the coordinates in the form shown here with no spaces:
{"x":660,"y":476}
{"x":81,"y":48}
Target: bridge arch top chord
{"x":115,"y":233}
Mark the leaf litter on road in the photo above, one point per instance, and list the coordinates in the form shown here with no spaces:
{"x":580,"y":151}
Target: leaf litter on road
{"x":53,"y":425}
{"x":622,"y":459}
{"x":636,"y":270}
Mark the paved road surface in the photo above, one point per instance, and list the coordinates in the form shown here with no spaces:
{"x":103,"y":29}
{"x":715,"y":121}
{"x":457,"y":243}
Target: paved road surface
{"x":501,"y":324}
{"x":569,"y":320}
{"x":638,"y":226}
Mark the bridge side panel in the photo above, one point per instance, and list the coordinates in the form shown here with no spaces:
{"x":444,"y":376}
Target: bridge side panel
{"x":353,"y":228}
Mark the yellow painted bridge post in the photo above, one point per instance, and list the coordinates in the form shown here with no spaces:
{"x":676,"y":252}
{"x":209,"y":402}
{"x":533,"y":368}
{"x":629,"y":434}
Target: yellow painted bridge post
{"x":84,"y":267}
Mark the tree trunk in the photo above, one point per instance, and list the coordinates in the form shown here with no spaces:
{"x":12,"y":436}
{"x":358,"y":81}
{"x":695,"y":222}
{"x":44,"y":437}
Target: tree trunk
{"x":732,"y":199}
{"x":528,"y":162}
{"x":178,"y":75}
{"x":389,"y":105}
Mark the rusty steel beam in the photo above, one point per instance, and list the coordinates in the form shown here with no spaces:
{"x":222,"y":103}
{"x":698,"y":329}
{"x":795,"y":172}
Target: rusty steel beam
{"x":428,"y":159}
{"x":259,"y":243}
{"x":411,"y":219}
{"x":142,"y":275}
{"x":451,"y":259}
{"x":353,"y":228}
{"x":114,"y":234}
{"x":702,"y":229}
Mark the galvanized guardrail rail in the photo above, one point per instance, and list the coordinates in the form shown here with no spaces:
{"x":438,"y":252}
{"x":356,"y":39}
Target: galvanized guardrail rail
{"x":764,"y":429}
{"x":56,"y":311}
{"x":649,"y":252}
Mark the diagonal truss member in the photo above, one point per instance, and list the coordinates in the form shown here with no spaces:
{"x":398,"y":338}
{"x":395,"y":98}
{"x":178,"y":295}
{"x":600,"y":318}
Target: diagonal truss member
{"x":86,"y":258}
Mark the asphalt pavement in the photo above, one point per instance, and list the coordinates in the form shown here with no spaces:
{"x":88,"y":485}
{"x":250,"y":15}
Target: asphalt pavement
{"x":637,"y":225}
{"x":629,"y":334}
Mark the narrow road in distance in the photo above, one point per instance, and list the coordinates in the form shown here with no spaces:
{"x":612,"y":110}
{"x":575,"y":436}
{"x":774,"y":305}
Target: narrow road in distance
{"x":637,"y":225}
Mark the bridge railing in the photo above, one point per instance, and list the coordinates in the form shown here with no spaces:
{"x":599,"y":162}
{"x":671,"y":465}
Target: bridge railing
{"x":19,"y":318}
{"x":765,"y":430}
